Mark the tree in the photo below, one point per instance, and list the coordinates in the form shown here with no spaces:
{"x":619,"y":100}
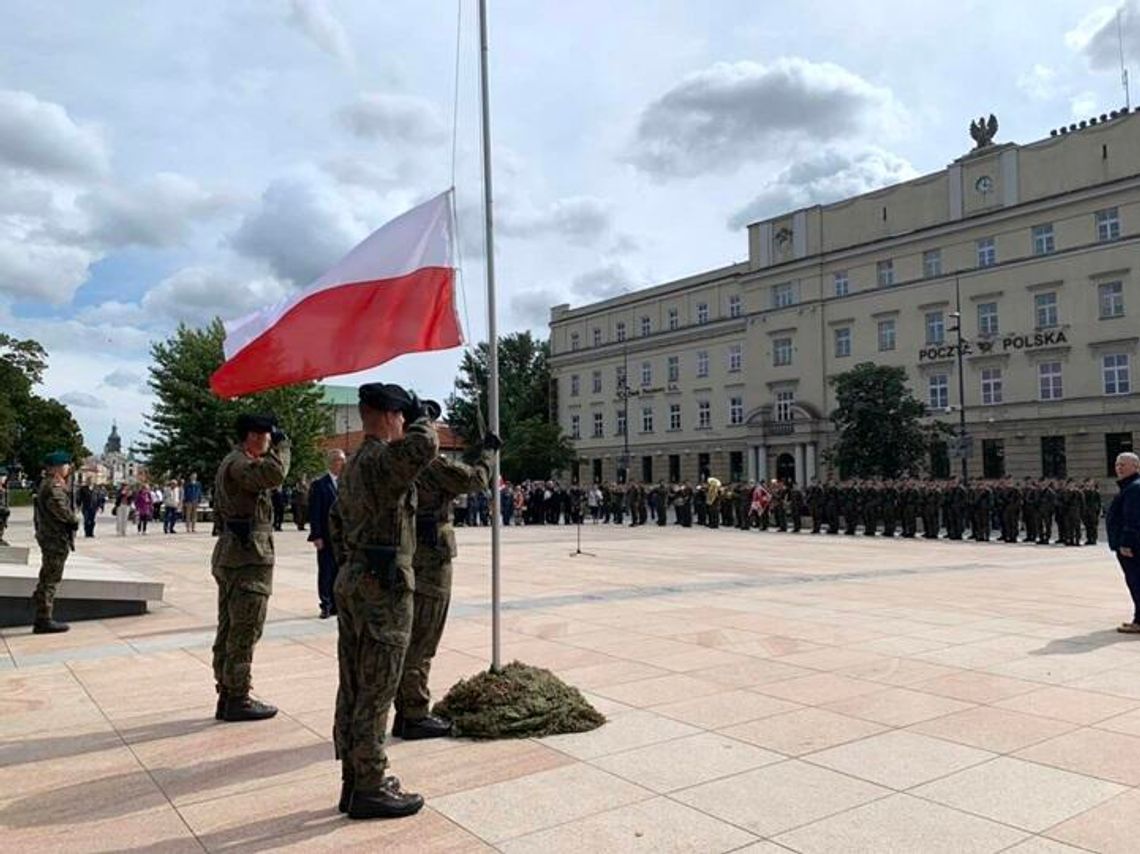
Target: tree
{"x":191,"y":430}
{"x":879,"y":423}
{"x":31,"y":426}
{"x":534,"y":445}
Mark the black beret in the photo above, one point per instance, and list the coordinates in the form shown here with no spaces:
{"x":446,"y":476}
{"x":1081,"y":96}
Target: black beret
{"x":385,"y":397}
{"x":247,"y":423}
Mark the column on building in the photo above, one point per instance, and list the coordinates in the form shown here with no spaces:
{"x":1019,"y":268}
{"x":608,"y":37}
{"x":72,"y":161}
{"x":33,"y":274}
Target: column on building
{"x":811,"y":472}
{"x":798,"y":455}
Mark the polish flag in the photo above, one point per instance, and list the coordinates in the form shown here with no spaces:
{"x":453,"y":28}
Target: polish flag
{"x":393,"y":294}
{"x":761,"y":498}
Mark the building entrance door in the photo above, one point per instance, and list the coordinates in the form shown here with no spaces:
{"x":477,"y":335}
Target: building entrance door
{"x":786,"y":468}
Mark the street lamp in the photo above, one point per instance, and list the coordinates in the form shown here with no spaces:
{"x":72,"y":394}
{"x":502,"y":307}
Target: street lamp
{"x":957,"y":328}
{"x":623,"y":392}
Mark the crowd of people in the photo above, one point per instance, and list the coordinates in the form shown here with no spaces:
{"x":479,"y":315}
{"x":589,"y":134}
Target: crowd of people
{"x":1012,"y":511}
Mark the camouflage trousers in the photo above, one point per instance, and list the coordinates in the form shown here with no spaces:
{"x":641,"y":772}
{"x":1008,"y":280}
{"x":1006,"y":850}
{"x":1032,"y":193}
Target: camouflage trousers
{"x":432,"y":599}
{"x":374,"y":624}
{"x":51,"y":573}
{"x":243,"y":599}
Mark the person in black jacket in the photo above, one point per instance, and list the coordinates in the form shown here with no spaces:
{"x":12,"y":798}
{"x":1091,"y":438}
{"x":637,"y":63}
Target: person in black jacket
{"x":322,"y":496}
{"x":1123,"y":524}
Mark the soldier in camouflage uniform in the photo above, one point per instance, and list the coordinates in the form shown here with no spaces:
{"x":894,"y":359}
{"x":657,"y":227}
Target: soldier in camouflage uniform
{"x":662,"y":500}
{"x":796,"y":507}
{"x":436,"y":487}
{"x":813,"y":497}
{"x":1046,"y":505}
{"x":831,"y":505}
{"x":1072,"y":508}
{"x":1012,"y":501}
{"x":933,"y":502}
{"x":1090,"y":511}
{"x":373,"y":529}
{"x":243,"y":557}
{"x":1030,"y":501}
{"x":982,"y":505}
{"x":55,"y":526}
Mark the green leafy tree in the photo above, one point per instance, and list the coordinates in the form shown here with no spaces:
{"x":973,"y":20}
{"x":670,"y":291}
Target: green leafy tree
{"x":533,"y":444}
{"x":191,"y":430}
{"x":31,"y":426}
{"x":879,"y":422}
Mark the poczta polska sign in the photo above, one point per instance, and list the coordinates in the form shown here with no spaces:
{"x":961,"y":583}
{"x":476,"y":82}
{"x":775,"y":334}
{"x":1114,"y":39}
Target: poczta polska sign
{"x":1004,"y":344}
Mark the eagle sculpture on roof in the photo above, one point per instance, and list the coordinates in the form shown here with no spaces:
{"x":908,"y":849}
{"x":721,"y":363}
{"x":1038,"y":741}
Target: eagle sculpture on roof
{"x":983,"y":131}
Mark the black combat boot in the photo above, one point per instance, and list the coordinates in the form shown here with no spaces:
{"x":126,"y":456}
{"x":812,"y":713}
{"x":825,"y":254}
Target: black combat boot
{"x":220,"y":709}
{"x":243,"y":708}
{"x":425,"y":727}
{"x":48,"y":626}
{"x":347,"y":784}
{"x":389,"y":801}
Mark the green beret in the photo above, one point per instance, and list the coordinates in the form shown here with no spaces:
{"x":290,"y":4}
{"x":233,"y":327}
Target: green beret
{"x":57,"y":458}
{"x":385,"y":397}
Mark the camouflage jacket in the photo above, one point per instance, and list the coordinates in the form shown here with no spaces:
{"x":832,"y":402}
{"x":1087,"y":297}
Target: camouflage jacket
{"x":54,"y":521}
{"x":436,"y":486}
{"x":243,"y":507}
{"x":373,"y":521}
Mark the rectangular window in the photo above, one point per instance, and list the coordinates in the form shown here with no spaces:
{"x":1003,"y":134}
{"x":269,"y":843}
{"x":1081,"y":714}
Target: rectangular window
{"x":1116,"y":444}
{"x":783,"y":295}
{"x":647,"y":469}
{"x":842,"y":284}
{"x":702,"y":312}
{"x":784,"y":402}
{"x":842,"y":342}
{"x":991,"y":386}
{"x":573,"y":385}
{"x":646,"y":374}
{"x":938,"y":392}
{"x":1045,"y":307}
{"x":619,"y":330}
{"x":702,"y":466}
{"x":736,"y":410}
{"x":993,"y":459}
{"x":1117,"y":374}
{"x":702,"y":363}
{"x":619,"y":420}
{"x":782,"y":352}
{"x":1111,"y":297}
{"x":1043,"y":243}
{"x":704,"y":415}
{"x":886,"y":335}
{"x":646,"y":325}
{"x":596,"y":466}
{"x":1054,"y":462}
{"x":932,"y":263}
{"x":575,"y":426}
{"x":674,"y":416}
{"x":987,"y":318}
{"x":736,"y":466}
{"x":1108,"y":225}
{"x":673,"y":368}
{"x":987,"y":252}
{"x":674,"y":468}
{"x":647,"y":419}
{"x":573,"y":340}
{"x":596,"y":382}
{"x":885,"y":273}
{"x":597,"y":337}
{"x":734,"y":306}
{"x":1049,"y":380}
{"x":599,"y":425}
{"x":674,"y":319}
{"x":935,"y":327}
{"x":735,"y":357}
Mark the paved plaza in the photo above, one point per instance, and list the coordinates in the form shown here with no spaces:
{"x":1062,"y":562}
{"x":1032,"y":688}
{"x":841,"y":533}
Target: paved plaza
{"x":765,"y":693}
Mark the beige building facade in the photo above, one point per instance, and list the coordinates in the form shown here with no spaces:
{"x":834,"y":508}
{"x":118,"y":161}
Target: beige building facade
{"x":729,"y":373}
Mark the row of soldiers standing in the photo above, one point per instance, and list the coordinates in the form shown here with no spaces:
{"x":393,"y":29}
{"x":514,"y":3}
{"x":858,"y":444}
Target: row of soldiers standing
{"x":978,"y":509}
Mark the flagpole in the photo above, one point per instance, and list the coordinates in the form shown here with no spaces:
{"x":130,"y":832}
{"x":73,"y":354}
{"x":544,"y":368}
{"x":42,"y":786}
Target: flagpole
{"x":493,"y":339}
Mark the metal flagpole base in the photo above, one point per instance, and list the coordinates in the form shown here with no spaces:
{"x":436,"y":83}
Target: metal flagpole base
{"x":578,"y":545}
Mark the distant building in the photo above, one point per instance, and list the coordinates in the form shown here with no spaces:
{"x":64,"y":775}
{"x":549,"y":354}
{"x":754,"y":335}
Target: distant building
{"x":113,"y":466}
{"x":348,"y":433}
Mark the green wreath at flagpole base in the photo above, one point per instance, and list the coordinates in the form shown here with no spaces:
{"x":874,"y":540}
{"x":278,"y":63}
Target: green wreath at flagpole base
{"x":518,"y":701}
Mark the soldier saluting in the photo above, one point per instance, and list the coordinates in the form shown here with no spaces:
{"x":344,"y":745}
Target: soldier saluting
{"x":55,"y":525}
{"x":243,"y":559}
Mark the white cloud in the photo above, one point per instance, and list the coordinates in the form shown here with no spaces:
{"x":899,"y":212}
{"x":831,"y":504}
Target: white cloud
{"x":531,"y":308}
{"x":196,"y":295}
{"x":40,"y":136}
{"x":83,"y":400}
{"x":316,"y":20}
{"x":1083,"y":105}
{"x":36,"y":266}
{"x":827,"y":177}
{"x":156,"y":212}
{"x":1039,"y":82}
{"x":122,"y":378}
{"x":115,"y":312}
{"x":583,"y":220}
{"x":1097,"y":38}
{"x":730,"y":114}
{"x":603,"y":282}
{"x":396,"y":118}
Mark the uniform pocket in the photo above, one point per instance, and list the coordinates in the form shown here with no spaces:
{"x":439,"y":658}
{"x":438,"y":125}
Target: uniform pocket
{"x":389,"y":619}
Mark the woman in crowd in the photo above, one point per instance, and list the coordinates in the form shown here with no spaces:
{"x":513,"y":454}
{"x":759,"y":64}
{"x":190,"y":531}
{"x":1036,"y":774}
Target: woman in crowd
{"x":144,"y":506}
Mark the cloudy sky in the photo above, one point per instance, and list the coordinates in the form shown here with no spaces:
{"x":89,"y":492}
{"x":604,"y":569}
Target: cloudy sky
{"x":164,"y":162}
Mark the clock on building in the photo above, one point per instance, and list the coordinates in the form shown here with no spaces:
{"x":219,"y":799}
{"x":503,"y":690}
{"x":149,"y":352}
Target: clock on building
{"x":984,"y":185}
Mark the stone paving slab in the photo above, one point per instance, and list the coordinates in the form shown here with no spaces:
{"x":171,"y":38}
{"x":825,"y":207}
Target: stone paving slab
{"x":765,"y":692}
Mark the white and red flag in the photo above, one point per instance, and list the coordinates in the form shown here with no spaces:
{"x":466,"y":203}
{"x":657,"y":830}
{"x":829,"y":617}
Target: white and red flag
{"x":393,"y":294}
{"x":761,"y":498}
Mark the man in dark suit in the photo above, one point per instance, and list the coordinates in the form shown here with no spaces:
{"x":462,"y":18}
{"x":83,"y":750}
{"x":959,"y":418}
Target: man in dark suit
{"x":1123,"y":524}
{"x":322,"y":496}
